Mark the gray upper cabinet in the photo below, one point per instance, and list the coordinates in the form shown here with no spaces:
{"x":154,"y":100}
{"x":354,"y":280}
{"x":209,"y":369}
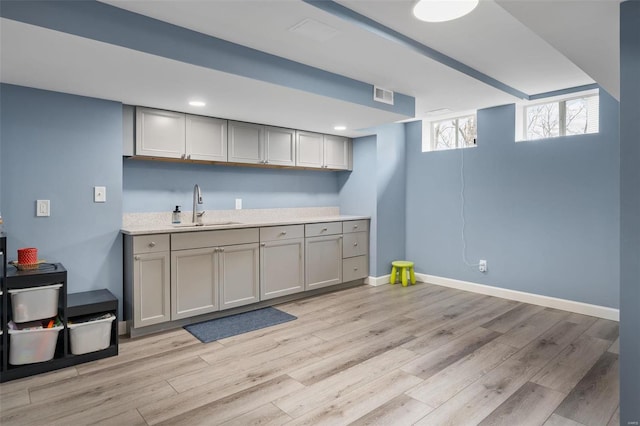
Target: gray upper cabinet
{"x":257,"y":144}
{"x":309,"y":150}
{"x":206,"y":138}
{"x":315,"y":150}
{"x":279,"y":146}
{"x":160,"y":133}
{"x":337,"y":152}
{"x":170,"y":134}
{"x":245,"y":142}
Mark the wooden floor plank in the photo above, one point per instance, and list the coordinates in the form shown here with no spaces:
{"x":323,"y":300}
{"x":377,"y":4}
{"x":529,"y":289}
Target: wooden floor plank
{"x":445,"y":384}
{"x":604,"y":329}
{"x":556,"y":420}
{"x":615,"y":419}
{"x":212,"y":391}
{"x":335,"y":386}
{"x":401,"y":410}
{"x":360,"y":402}
{"x":39,"y":380}
{"x":523,"y":333}
{"x":128,"y":418}
{"x":530,"y":405}
{"x":435,"y":361}
{"x":236,"y":404}
{"x":265,"y":415}
{"x":595,"y":398}
{"x":615,"y":346}
{"x":512,"y":318}
{"x":14,"y":399}
{"x":566,"y":370}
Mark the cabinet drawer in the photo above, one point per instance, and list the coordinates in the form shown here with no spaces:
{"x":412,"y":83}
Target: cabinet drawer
{"x":202,"y":239}
{"x":326,"y":228}
{"x":150,"y":243}
{"x":355,"y":244}
{"x":276,"y":233}
{"x":354,"y":226}
{"x":354,"y":268}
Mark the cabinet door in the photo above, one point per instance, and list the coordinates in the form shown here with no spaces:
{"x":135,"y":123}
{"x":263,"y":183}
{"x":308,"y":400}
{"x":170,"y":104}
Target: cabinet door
{"x":281,"y":268}
{"x":309,"y":150}
{"x":151,"y":297}
{"x":355,"y":244}
{"x":239,"y":275}
{"x":323,"y":264}
{"x":194,"y":284}
{"x":245,"y":142}
{"x":160,"y":133}
{"x":206,"y":138}
{"x":280,"y":146}
{"x":337,"y":152}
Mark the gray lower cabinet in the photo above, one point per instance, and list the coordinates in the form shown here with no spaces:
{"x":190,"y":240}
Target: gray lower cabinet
{"x":281,"y":261}
{"x":323,"y":261}
{"x":355,"y":250}
{"x":194,"y":284}
{"x":239,"y":275}
{"x":147,"y":280}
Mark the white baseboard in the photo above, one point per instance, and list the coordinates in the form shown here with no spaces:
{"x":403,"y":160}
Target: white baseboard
{"x":521,"y":296}
{"x":376,"y":281}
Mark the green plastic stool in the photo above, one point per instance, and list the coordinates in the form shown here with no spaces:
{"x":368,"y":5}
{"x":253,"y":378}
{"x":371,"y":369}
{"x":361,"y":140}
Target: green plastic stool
{"x":404,"y":267}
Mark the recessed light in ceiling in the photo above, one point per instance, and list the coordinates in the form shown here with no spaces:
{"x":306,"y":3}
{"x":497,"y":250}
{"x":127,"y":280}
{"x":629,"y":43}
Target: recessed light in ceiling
{"x":197,"y":103}
{"x":340,"y":128}
{"x":443,"y":10}
{"x":314,"y":30}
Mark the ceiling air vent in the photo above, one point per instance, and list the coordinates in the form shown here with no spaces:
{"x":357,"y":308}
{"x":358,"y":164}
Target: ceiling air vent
{"x":382,"y":95}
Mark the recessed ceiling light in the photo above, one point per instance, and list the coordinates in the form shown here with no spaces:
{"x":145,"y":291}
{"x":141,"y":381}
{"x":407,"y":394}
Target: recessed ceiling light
{"x":340,"y":128}
{"x":442,"y":10}
{"x":197,"y":103}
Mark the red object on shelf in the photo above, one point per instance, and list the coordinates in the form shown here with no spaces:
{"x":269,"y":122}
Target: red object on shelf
{"x":27,"y":256}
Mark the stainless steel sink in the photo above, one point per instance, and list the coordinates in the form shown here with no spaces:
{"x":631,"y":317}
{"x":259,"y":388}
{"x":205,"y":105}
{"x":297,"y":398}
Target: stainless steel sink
{"x":204,"y":225}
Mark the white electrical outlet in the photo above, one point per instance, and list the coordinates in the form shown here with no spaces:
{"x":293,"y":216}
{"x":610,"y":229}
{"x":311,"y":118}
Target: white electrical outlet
{"x":482,"y":266}
{"x":99,"y":194}
{"x":43,"y":208}
{"x":238,"y":203}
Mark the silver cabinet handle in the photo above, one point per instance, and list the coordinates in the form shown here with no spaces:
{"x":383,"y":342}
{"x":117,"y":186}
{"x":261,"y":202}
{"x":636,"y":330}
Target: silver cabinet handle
{"x":340,"y":237}
{"x":152,"y":244}
{"x":323,"y":229}
{"x":189,"y":157}
{"x":266,"y":161}
{"x":355,"y":268}
{"x":183,"y":156}
{"x":136,"y":257}
{"x":222,"y":249}
{"x":263,"y":244}
{"x":283,"y":233}
{"x":355,"y":226}
{"x":355,"y":244}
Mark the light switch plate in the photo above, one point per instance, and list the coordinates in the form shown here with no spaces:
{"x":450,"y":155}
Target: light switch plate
{"x":43,"y":208}
{"x":238,"y":203}
{"x":99,"y":194}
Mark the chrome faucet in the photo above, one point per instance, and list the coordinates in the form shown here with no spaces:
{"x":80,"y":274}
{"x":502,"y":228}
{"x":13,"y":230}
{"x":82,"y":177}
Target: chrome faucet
{"x":197,"y":199}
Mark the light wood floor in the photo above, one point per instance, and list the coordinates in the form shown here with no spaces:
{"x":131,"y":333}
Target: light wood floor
{"x":387,"y":355}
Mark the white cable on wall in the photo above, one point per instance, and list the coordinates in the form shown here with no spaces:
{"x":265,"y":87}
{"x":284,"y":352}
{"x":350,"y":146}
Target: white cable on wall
{"x":464,"y":241}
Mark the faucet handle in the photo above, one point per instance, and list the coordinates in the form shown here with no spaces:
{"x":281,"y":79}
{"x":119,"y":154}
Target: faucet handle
{"x":200,"y":214}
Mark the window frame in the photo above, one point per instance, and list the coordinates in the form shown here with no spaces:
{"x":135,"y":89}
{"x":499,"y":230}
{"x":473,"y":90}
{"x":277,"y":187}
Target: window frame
{"x":429,"y":143}
{"x":522,"y":109}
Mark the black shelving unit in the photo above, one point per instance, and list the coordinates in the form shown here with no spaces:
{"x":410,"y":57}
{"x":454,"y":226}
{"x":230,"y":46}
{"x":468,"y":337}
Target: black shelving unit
{"x":3,"y":304}
{"x":73,"y":305}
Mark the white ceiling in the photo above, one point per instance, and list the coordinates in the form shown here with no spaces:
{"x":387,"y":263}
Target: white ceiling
{"x":490,"y":40}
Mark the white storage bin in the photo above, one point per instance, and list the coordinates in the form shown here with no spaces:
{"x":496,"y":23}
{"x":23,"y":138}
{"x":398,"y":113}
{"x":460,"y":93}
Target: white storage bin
{"x":29,"y":346}
{"x":34,"y":303}
{"x":90,"y":336}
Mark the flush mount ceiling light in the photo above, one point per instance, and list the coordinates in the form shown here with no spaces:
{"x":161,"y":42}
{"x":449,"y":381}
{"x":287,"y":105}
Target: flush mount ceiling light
{"x":197,"y":103}
{"x":442,"y":10}
{"x":340,"y":128}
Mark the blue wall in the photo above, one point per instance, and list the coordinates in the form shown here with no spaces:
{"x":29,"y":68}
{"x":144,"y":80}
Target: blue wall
{"x":545,"y":214}
{"x":630,"y":212}
{"x":57,"y":147}
{"x":391,"y":200}
{"x":358,"y":190}
{"x":151,"y":186}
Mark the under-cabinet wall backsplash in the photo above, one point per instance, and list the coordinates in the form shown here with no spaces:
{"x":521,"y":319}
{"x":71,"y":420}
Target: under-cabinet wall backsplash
{"x":150,"y":186}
